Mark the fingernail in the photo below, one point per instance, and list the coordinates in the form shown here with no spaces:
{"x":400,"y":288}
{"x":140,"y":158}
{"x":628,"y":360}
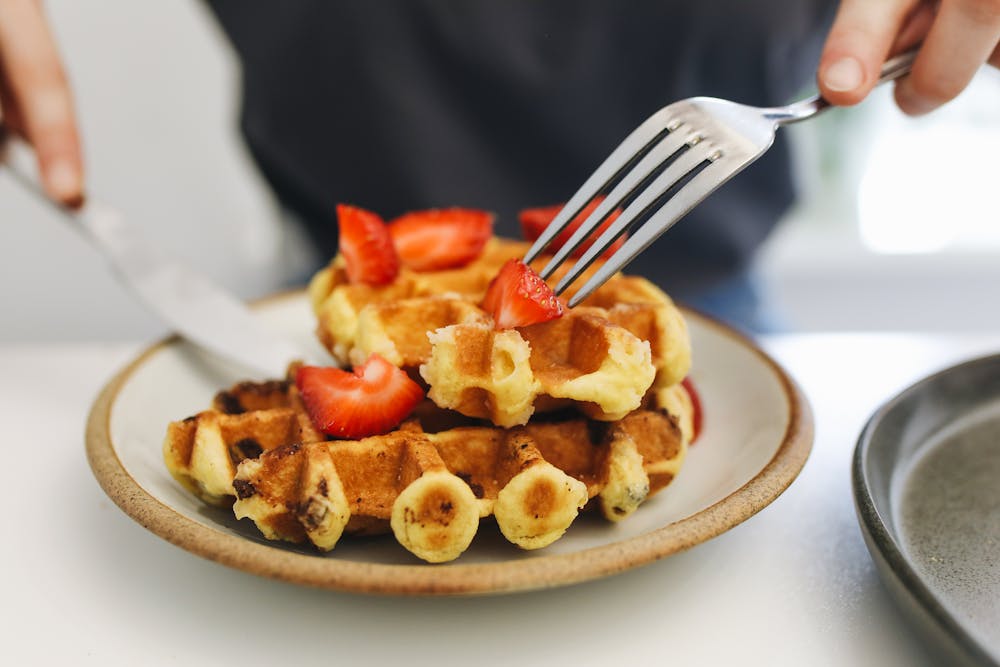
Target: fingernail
{"x":62,"y":181}
{"x":844,"y":75}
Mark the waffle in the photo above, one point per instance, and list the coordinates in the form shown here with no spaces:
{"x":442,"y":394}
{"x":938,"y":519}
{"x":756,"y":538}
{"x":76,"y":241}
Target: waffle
{"x":500,"y":375}
{"x":603,"y":357}
{"x":338,"y":304}
{"x":431,"y":481}
{"x":201,"y":452}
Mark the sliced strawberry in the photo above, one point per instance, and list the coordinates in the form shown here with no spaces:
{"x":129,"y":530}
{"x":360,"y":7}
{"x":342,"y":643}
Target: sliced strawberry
{"x":697,"y":416}
{"x":535,"y":220}
{"x":518,"y":296}
{"x":366,"y":245}
{"x":374,"y":399}
{"x":441,"y":238}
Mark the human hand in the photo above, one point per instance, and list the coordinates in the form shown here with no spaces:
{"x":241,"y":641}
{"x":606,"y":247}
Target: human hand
{"x":35,"y":100}
{"x":956,"y":37}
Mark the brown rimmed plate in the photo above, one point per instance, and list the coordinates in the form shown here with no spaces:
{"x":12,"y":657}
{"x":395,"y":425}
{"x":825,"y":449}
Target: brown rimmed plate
{"x":757,"y":434}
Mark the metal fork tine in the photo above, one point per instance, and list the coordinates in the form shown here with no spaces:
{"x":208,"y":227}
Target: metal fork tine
{"x":671,"y":175}
{"x":663,"y":150}
{"x":611,"y":166}
{"x":694,"y":191}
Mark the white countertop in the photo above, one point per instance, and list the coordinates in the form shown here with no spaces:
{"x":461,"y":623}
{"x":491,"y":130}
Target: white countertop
{"x":84,"y":584}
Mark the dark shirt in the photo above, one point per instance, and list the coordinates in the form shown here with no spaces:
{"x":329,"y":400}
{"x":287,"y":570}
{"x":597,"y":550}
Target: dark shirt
{"x":396,"y":105}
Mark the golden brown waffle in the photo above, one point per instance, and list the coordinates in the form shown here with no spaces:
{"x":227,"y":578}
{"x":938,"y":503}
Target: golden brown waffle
{"x":338,"y":304}
{"x":602,"y":356}
{"x":202,"y":451}
{"x":429,"y":482}
{"x":501,"y":375}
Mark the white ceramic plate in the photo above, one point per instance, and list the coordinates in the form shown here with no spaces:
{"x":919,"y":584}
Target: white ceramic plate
{"x":756,"y":436}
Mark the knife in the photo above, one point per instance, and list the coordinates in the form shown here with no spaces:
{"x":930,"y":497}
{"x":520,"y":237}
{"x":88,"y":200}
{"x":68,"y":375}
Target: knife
{"x":188,"y":302}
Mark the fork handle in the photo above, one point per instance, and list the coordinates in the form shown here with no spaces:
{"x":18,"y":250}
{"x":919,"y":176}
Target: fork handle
{"x":892,"y":69}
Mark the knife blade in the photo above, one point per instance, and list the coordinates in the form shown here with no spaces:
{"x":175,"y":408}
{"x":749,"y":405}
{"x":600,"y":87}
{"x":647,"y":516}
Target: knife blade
{"x":191,"y":304}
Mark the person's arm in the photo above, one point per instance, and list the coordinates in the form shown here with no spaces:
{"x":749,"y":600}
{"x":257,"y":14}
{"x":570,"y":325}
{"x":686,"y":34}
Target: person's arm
{"x":956,"y":37}
{"x":35,"y":99}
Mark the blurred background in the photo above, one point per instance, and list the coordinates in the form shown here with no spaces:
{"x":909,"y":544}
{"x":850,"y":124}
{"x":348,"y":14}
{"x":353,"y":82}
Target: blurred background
{"x":897,"y":227}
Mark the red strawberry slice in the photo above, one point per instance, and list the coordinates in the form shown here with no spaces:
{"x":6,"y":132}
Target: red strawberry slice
{"x":374,"y":399}
{"x":441,"y":238}
{"x":535,"y":220}
{"x":697,"y":416}
{"x":366,"y":245}
{"x":518,"y":297}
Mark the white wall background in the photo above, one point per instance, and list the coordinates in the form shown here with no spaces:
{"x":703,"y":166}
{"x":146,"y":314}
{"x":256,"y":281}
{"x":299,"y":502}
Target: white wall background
{"x":156,"y":92}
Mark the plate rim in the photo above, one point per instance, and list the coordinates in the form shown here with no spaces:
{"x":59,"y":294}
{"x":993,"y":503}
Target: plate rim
{"x":537,"y":572}
{"x":883,"y":543}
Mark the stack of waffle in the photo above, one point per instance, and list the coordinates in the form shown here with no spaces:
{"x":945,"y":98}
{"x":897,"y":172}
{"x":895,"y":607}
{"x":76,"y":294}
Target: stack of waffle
{"x":527,"y":425}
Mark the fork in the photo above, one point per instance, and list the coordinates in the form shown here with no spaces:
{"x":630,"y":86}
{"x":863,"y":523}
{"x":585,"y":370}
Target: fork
{"x":663,"y":169}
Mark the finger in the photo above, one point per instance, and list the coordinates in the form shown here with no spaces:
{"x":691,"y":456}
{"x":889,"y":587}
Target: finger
{"x":995,"y":58}
{"x":915,"y":28}
{"x":9,"y":117}
{"x":40,"y":94}
{"x":962,"y":38}
{"x":858,"y":44}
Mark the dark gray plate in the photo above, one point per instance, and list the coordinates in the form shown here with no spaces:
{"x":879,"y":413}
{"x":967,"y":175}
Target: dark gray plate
{"x":926,"y":479}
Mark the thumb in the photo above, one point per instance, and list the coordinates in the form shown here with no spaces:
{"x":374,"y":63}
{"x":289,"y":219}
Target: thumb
{"x":859,"y":42}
